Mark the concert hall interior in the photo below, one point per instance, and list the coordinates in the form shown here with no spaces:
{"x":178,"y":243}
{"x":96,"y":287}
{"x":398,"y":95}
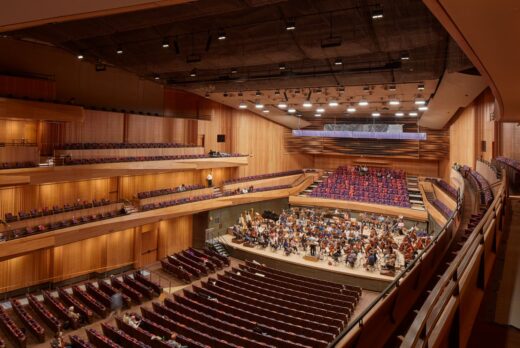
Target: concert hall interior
{"x":259,"y":173}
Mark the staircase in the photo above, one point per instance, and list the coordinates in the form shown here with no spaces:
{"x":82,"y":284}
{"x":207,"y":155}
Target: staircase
{"x":218,"y":247}
{"x":414,"y":194}
{"x":316,"y":182}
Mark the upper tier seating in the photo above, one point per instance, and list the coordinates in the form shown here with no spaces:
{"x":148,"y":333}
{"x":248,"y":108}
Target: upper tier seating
{"x":480,"y":183}
{"x":255,"y":189}
{"x":91,"y":146}
{"x":372,"y":185}
{"x":510,"y":162}
{"x":17,"y":165}
{"x":82,"y":161}
{"x":441,"y":207}
{"x":263,"y":176}
{"x":46,"y":211}
{"x":444,"y":186}
{"x":167,"y":191}
{"x":174,"y":202}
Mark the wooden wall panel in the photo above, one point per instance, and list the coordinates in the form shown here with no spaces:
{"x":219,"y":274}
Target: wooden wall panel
{"x":16,"y":130}
{"x":463,"y":147}
{"x":175,"y":235}
{"x":510,"y":140}
{"x":14,"y":199}
{"x":264,"y":141}
{"x":484,"y":112}
{"x":97,"y":127}
{"x":120,"y":248}
{"x":131,"y":185}
{"x":415,"y":167}
{"x":220,"y":123}
{"x":23,"y":87}
{"x":25,"y":270}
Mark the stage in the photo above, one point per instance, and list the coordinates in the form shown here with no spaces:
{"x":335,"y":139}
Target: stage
{"x":341,"y":273}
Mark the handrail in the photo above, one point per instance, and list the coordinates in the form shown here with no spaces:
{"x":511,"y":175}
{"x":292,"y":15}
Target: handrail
{"x":438,"y":299}
{"x":395,"y":283}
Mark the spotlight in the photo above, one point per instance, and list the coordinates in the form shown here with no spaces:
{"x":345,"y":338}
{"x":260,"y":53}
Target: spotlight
{"x":222,"y":35}
{"x":290,"y":24}
{"x":394,"y":102}
{"x":317,"y":115}
{"x":282,"y":105}
{"x":376,"y":114}
{"x":165,"y":43}
{"x":259,"y":106}
{"x":377,"y":13}
{"x":423,"y":108}
{"x":338,"y":62}
{"x":156,"y":77}
{"x":234,"y":70}
{"x":80,"y":55}
{"x":265,"y":111}
{"x":405,"y":56}
{"x":363,"y":102}
{"x":320,"y":110}
{"x":333,"y":103}
{"x":420,"y":101}
{"x":282,"y":66}
{"x":351,"y":109}
{"x":413,"y":114}
{"x":291,"y":110}
{"x":258,"y":93}
{"x":392,"y":88}
{"x":193,"y":73}
{"x":307,"y":104}
{"x":420,"y":87}
{"x":119,"y":50}
{"x":242,"y":105}
{"x":399,"y":114}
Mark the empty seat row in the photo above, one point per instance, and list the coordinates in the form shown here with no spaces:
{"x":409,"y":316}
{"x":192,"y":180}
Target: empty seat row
{"x":167,"y":191}
{"x":48,"y":318}
{"x":12,"y":330}
{"x":17,"y":165}
{"x":174,"y":202}
{"x":32,"y":325}
{"x":263,"y":176}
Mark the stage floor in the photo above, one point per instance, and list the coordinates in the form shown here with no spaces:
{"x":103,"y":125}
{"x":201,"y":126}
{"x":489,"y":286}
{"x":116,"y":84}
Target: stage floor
{"x":321,"y":265}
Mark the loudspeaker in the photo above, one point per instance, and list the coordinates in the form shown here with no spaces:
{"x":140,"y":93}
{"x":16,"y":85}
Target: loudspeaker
{"x":221,"y":138}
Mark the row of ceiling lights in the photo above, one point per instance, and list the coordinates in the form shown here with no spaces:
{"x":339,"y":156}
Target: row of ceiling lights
{"x":421,"y":103}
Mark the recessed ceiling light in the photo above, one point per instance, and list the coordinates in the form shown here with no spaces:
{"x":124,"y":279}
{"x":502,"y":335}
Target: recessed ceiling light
{"x":420,"y":101}
{"x":405,"y":56}
{"x":282,"y":105}
{"x":193,"y":73}
{"x":420,"y":87}
{"x":423,"y":108}
{"x":363,"y":102}
{"x":234,"y":70}
{"x":399,"y":114}
{"x":291,"y":110}
{"x":222,"y":35}
{"x":317,"y":115}
{"x":265,"y":111}
{"x":165,"y":43}
{"x":258,"y":93}
{"x":80,"y":56}
{"x":320,"y":110}
{"x":394,"y":102}
{"x":119,"y":50}
{"x":376,"y":114}
{"x":338,"y":61}
{"x":377,"y":12}
{"x":413,"y":114}
{"x":282,"y":66}
{"x":240,"y":94}
{"x":156,"y":77}
{"x":307,"y":104}
{"x":333,"y":103}
{"x":277,"y":92}
{"x":242,"y":105}
{"x":290,"y":24}
{"x":392,"y":88}
{"x":317,"y":91}
{"x":351,"y":109}
{"x":259,"y":106}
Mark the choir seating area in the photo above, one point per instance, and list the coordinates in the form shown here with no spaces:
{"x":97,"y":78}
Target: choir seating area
{"x":365,"y":184}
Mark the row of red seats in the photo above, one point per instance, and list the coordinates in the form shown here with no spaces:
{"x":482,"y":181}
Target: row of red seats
{"x":36,"y":213}
{"x":192,"y":264}
{"x":263,"y":176}
{"x":90,"y":301}
{"x":168,"y":191}
{"x":12,"y":330}
{"x":110,"y":290}
{"x":16,"y":165}
{"x":135,"y":295}
{"x":99,"y":340}
{"x":121,"y":338}
{"x":48,"y":318}
{"x":82,"y":161}
{"x":92,"y":146}
{"x":75,"y":221}
{"x":174,"y":202}
{"x":78,"y":342}
{"x":34,"y":327}
{"x":59,"y":309}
